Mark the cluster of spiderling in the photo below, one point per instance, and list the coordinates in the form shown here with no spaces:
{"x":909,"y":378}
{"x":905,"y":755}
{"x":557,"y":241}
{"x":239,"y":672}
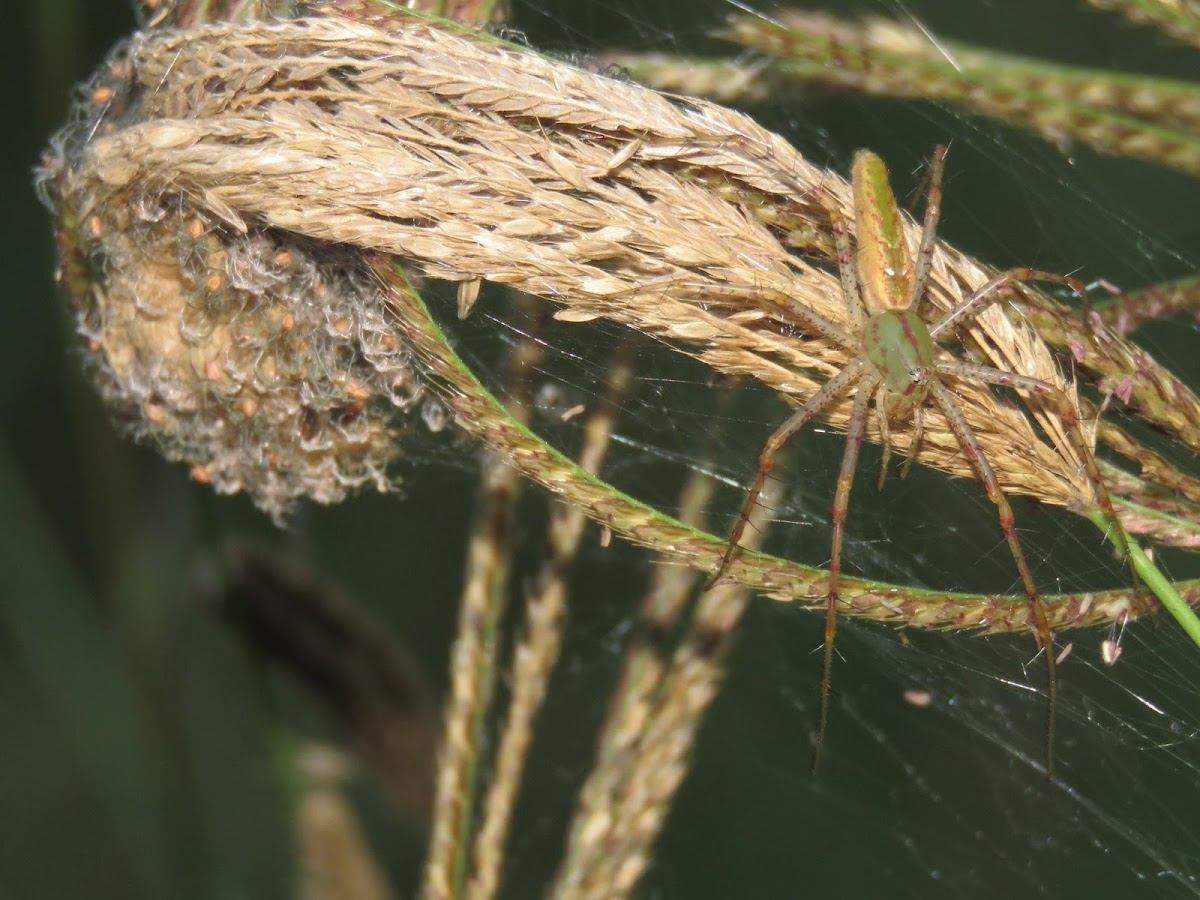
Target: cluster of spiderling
{"x":265,"y":361}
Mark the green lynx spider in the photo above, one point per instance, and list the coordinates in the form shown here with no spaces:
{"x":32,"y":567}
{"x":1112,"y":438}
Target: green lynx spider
{"x":896,"y":362}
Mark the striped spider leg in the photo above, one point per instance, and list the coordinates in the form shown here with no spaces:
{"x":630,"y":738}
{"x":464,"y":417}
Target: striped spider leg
{"x":897,"y":365}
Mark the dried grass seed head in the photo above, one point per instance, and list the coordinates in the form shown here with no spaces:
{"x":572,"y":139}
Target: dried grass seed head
{"x":473,"y":160}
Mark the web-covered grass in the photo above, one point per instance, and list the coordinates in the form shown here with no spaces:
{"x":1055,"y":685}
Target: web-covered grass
{"x":932,"y":778}
{"x":949,"y":796}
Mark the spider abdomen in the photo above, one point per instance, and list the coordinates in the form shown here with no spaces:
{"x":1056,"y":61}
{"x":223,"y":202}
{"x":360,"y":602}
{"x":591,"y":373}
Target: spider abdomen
{"x":898,"y":345}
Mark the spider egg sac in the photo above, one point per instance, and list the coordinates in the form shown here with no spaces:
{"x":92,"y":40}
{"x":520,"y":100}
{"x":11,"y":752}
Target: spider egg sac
{"x":265,"y":361}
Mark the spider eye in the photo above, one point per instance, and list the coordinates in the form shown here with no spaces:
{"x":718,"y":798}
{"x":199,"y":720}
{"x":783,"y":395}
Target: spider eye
{"x":920,"y":375}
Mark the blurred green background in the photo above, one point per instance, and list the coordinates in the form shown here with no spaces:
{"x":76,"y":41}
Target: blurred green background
{"x":137,"y":733}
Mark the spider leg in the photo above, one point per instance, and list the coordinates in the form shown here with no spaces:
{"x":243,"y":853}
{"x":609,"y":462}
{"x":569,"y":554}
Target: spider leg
{"x":829,"y":392}
{"x":970,"y":445}
{"x":989,"y":292}
{"x":841,"y":504}
{"x":1070,"y":421}
{"x":918,"y":433}
{"x":772,"y":300}
{"x":885,"y":434}
{"x":847,"y":270}
{"x":933,"y":211}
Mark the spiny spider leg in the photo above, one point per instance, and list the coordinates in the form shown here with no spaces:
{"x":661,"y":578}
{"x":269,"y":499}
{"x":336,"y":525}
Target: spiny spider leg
{"x":933,"y":211}
{"x":1070,"y":420}
{"x":970,"y":445}
{"x":989,"y":293}
{"x":915,"y":445}
{"x":829,"y":392}
{"x":852,"y":291}
{"x":773,"y":301}
{"x":885,"y":434}
{"x":841,"y":504}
